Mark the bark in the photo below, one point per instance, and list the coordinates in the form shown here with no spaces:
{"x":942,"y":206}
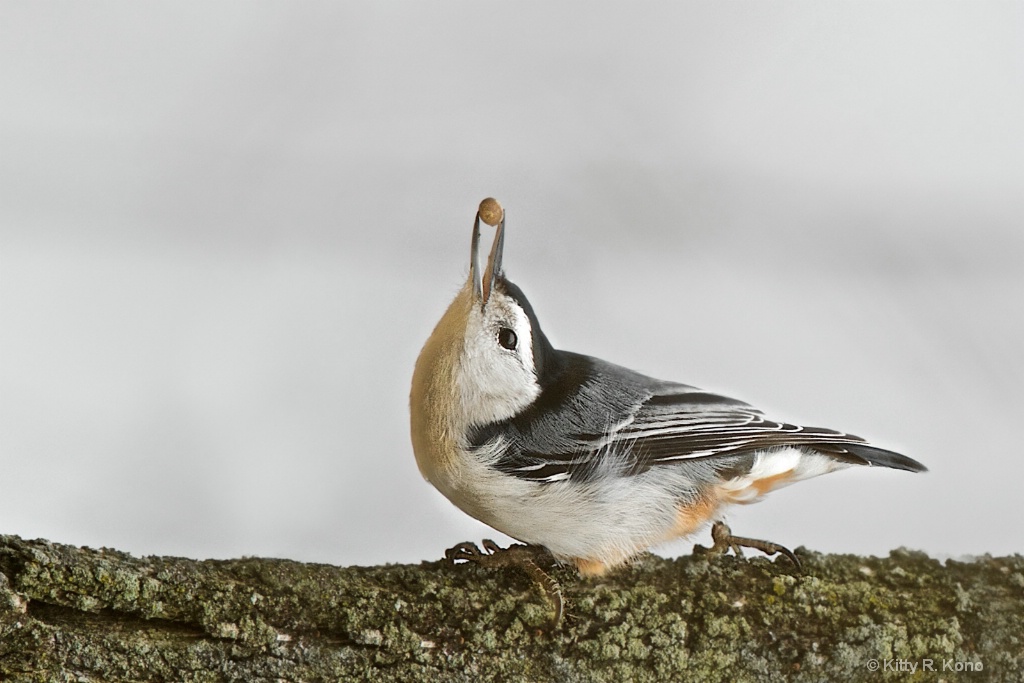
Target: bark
{"x":78,"y":614}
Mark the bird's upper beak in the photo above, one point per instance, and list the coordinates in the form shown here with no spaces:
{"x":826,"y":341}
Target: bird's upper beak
{"x":482,"y":287}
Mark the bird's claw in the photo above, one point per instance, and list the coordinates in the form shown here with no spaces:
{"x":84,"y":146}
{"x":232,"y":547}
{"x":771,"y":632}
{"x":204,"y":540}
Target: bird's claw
{"x":525,"y":557}
{"x":724,"y":541}
{"x":467,"y":552}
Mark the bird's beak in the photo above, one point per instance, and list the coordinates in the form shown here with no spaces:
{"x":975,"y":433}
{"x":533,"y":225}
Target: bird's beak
{"x":482,"y":287}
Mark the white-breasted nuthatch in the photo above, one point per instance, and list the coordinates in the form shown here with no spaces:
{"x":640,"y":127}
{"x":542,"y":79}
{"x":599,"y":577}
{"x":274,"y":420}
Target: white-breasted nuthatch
{"x":588,"y":459}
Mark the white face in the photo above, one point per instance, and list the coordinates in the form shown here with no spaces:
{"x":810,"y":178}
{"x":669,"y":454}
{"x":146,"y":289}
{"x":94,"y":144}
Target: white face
{"x":497,"y":378}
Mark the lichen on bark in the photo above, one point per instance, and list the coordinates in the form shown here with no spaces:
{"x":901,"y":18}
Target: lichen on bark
{"x":69,"y":613}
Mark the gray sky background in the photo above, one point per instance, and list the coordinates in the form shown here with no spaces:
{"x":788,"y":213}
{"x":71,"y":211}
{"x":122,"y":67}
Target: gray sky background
{"x":226,"y":229}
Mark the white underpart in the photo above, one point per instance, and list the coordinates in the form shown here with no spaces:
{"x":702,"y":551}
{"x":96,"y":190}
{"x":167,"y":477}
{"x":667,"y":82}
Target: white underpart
{"x":608,"y":519}
{"x":775,"y":462}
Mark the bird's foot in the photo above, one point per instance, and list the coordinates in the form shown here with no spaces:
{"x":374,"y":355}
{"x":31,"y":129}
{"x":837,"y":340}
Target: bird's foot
{"x":724,"y":541}
{"x":525,"y":557}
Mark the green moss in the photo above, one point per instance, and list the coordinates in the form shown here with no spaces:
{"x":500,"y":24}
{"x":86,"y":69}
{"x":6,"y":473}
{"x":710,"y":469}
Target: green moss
{"x":108,"y":616}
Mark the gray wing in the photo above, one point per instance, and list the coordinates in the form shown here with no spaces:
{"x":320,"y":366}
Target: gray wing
{"x":601,"y":417}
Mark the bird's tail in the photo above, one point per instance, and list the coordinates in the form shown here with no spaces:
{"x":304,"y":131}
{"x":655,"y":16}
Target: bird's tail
{"x":863,"y":454}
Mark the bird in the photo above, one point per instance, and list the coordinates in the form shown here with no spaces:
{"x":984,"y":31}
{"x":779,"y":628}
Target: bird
{"x":592,"y":462}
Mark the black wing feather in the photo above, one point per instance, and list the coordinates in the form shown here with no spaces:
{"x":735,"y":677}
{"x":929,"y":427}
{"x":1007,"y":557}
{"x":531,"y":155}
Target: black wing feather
{"x":590,"y":411}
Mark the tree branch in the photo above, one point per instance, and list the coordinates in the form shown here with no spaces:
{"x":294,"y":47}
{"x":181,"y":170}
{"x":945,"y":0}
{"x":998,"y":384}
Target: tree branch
{"x":70,"y":613}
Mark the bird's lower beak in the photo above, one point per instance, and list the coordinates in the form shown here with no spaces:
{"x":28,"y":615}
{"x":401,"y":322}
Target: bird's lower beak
{"x":482,"y":287}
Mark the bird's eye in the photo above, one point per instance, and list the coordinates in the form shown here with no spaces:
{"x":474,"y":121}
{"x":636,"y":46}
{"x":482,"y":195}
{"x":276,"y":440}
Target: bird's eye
{"x":507,"y":338}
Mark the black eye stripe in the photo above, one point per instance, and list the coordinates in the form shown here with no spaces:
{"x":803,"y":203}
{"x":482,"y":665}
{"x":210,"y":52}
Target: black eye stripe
{"x":507,"y":338}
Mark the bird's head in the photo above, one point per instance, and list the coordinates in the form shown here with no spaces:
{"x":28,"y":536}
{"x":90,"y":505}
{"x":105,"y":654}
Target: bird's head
{"x":483,"y":362}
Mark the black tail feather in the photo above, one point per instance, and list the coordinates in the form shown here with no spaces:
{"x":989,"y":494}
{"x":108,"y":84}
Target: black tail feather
{"x":864,"y":454}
